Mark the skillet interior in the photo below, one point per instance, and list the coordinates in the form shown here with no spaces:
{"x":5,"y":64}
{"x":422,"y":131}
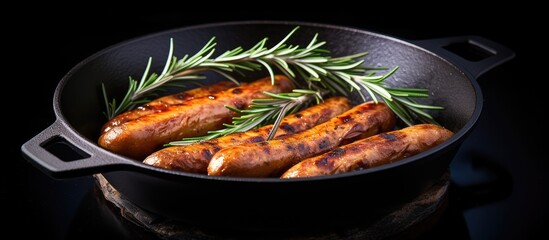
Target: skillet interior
{"x":188,"y":196}
{"x":418,"y":68}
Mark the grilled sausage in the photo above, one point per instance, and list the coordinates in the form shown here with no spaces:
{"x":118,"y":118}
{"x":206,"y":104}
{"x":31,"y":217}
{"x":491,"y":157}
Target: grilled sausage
{"x":142,"y":136}
{"x":162,"y":103}
{"x":373,"y":151}
{"x":197,"y":156}
{"x":272,"y":158}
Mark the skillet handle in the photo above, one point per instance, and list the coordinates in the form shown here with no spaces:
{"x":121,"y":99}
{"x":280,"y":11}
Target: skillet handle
{"x":60,"y":153}
{"x":473,"y":54}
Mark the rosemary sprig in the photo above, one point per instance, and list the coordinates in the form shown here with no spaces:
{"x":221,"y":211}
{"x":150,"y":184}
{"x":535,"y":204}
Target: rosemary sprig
{"x":261,"y":112}
{"x":318,"y":71}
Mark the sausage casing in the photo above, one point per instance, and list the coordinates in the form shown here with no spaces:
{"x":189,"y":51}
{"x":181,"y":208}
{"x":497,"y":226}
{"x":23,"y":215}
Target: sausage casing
{"x":162,"y":103}
{"x":373,"y":151}
{"x":142,"y":136}
{"x":272,"y":158}
{"x":197,"y":156}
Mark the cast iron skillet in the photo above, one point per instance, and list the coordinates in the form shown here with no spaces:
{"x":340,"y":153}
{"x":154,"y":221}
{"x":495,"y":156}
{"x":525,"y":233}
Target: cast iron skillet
{"x":68,"y":147}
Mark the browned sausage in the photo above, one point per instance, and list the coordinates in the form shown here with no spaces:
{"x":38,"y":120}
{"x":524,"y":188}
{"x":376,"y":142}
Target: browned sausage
{"x":195,"y":117}
{"x":272,"y":158}
{"x":373,"y":151}
{"x":197,"y":156}
{"x":162,"y":103}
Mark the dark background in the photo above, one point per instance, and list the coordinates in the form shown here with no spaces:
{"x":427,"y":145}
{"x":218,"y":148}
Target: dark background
{"x":51,"y":43}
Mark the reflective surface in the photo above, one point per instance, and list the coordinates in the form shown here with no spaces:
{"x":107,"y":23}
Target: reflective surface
{"x":500,"y":181}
